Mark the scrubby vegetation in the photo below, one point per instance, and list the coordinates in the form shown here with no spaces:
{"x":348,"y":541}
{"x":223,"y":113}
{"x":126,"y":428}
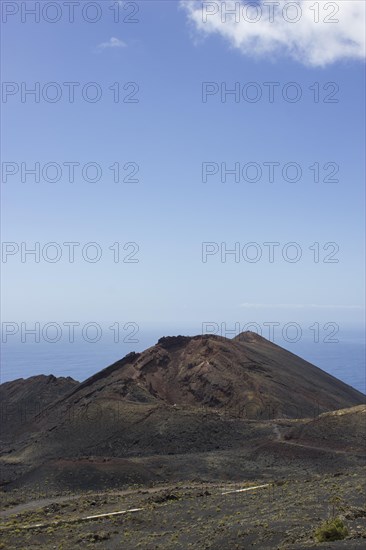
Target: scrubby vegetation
{"x":333,"y":529}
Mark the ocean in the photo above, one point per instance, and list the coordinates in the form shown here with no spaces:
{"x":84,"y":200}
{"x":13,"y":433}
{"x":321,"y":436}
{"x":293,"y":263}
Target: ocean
{"x":80,"y":359}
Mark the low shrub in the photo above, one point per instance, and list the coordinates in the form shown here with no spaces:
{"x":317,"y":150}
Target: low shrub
{"x":333,"y":529}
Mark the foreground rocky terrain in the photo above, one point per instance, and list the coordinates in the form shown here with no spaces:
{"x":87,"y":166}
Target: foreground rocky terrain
{"x":284,"y":514}
{"x":167,"y":430}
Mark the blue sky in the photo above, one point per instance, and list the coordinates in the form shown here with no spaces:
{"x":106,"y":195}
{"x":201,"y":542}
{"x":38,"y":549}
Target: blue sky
{"x":169,"y":133}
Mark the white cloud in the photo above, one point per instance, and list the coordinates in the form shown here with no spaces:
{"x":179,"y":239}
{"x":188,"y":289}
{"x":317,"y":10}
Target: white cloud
{"x":298,"y":306}
{"x":263,"y":29}
{"x":112,"y":43}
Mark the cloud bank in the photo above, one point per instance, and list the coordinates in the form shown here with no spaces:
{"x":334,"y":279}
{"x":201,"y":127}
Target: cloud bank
{"x":313,"y":33}
{"x":112,"y":43}
{"x":299,"y":306}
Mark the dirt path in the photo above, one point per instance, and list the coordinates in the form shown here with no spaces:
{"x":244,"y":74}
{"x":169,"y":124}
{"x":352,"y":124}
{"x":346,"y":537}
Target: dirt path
{"x":34,"y":504}
{"x":314,"y":448}
{"x":279,"y":437}
{"x":69,"y":520}
{"x":41,"y":503}
{"x":246,"y":489}
{"x":44,"y":502}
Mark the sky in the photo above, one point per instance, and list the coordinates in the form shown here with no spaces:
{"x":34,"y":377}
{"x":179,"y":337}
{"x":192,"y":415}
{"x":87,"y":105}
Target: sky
{"x":224,"y":133}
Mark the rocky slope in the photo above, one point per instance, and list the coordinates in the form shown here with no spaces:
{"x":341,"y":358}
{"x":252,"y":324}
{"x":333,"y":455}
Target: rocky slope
{"x":23,"y":399}
{"x":248,"y":376}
